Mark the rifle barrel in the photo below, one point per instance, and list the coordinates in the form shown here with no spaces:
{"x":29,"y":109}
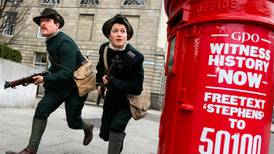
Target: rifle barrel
{"x":23,"y":81}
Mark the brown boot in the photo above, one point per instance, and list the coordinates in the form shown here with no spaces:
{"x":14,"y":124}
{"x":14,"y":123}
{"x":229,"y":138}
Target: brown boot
{"x":88,"y":135}
{"x":25,"y":151}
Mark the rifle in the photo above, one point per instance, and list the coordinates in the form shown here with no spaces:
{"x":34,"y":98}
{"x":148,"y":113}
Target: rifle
{"x":103,"y":87}
{"x":23,"y":81}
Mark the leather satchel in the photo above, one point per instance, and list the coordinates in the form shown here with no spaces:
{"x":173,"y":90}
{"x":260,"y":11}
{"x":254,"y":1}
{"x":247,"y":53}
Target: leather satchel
{"x":139,"y":105}
{"x":85,"y":78}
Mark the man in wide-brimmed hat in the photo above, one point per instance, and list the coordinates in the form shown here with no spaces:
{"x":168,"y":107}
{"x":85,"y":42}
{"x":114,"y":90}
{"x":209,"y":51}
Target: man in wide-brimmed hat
{"x":59,"y":85}
{"x":52,"y":14}
{"x":126,"y":77}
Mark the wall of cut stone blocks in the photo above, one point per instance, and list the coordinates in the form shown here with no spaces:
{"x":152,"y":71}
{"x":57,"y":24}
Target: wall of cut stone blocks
{"x":145,"y":21}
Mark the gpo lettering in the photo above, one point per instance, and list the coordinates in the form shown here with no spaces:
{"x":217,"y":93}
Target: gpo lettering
{"x":244,"y":36}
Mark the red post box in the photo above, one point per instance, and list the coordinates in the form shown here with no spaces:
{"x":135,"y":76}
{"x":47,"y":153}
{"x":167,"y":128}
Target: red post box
{"x":219,"y":68}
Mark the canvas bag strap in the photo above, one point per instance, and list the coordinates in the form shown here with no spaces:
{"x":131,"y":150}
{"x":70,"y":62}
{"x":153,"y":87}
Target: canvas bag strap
{"x":59,"y":65}
{"x":105,"y":58}
{"x":85,"y":58}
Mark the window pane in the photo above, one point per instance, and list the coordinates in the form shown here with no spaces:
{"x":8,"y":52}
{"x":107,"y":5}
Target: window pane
{"x":40,"y":60}
{"x":134,"y":2}
{"x":93,"y":2}
{"x":9,"y":24}
{"x":39,"y":33}
{"x":15,"y":1}
{"x":51,"y":1}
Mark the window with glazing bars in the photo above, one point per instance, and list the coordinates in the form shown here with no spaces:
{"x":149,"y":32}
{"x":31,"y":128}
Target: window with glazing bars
{"x":50,"y":1}
{"x":15,"y":1}
{"x":90,"y":2}
{"x":8,"y":28}
{"x":40,"y":60}
{"x":134,"y":2}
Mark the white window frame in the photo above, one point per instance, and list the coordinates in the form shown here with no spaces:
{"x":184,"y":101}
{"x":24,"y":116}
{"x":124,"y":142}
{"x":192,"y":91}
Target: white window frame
{"x":39,"y":34}
{"x":40,"y":64}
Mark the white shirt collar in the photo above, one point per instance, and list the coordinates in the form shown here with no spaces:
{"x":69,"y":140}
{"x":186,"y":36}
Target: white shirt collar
{"x":117,"y":49}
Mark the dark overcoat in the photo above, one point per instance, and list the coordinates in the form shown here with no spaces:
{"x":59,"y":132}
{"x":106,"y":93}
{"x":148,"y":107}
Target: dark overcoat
{"x":59,"y":85}
{"x":126,"y":78}
{"x":64,"y":56}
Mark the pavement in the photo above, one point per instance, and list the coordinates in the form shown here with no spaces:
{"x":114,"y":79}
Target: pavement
{"x":141,"y":138}
{"x":15,"y":127}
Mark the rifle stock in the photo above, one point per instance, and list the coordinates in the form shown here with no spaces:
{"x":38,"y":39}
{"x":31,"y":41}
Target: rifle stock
{"x":100,"y":95}
{"x":23,"y":81}
{"x":103,"y":87}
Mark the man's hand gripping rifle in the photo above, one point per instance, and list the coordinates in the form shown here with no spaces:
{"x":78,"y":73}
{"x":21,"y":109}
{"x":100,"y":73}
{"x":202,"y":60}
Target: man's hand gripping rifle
{"x":101,"y":94}
{"x":23,"y":81}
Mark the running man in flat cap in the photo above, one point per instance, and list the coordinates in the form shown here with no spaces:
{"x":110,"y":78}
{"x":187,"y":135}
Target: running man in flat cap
{"x":125,"y":78}
{"x":59,"y":85}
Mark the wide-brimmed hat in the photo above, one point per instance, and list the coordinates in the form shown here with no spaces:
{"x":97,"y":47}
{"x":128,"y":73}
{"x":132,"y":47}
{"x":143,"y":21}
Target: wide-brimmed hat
{"x":50,"y":13}
{"x":120,"y":19}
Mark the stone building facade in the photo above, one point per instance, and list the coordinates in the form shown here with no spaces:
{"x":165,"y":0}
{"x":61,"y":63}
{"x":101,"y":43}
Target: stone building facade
{"x":83,"y":22}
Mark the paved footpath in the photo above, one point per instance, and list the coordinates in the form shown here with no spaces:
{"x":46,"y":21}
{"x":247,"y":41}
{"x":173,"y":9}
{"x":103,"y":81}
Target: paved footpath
{"x":15,"y":123}
{"x":15,"y":127}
